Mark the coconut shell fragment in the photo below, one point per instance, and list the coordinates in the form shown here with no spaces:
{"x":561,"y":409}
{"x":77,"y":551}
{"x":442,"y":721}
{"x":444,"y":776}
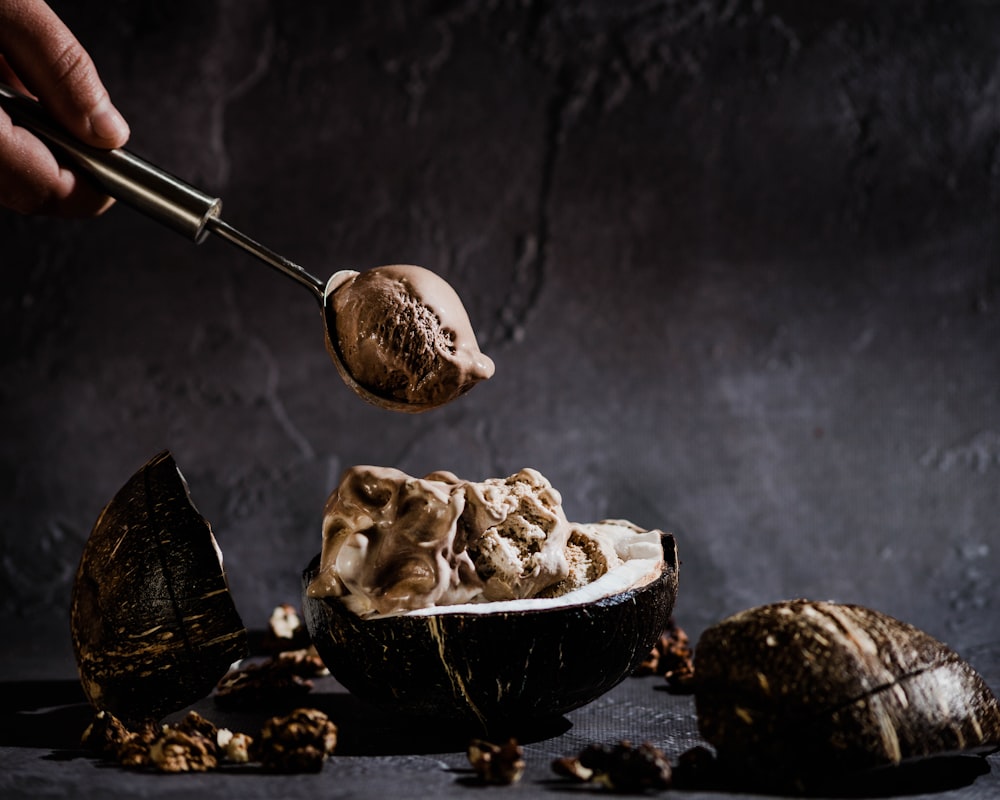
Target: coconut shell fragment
{"x":154,"y":625}
{"x":797,"y":692}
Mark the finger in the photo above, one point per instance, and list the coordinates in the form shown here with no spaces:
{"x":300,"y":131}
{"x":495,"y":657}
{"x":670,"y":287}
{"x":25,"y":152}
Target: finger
{"x":8,"y":76}
{"x":56,"y":68}
{"x":33,"y":182}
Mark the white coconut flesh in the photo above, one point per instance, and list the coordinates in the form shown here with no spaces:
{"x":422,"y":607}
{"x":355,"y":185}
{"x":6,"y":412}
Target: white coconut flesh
{"x":642,"y":562}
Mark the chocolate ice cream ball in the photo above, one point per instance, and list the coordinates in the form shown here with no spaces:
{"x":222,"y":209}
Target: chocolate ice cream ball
{"x":404,"y":335}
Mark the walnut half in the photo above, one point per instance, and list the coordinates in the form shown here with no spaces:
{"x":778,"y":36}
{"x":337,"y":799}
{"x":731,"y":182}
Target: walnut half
{"x":299,"y":742}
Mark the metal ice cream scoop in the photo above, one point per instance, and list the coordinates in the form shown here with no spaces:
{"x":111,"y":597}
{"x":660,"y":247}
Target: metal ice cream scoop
{"x":192,"y":213}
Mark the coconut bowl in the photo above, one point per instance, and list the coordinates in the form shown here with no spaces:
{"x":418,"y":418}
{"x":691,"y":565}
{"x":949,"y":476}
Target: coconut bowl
{"x":494,"y":666}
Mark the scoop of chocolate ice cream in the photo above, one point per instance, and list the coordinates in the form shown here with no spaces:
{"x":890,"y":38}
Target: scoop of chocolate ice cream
{"x":404,"y":336}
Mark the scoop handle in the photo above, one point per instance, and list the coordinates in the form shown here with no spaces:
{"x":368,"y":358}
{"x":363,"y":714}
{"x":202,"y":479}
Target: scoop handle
{"x":119,"y":173}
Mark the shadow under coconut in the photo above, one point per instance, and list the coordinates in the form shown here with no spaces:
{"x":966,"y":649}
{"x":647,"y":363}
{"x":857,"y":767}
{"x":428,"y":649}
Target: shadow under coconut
{"x":940,"y":774}
{"x":927,"y":776}
{"x":45,"y":714}
{"x":364,"y":729}
{"x":367,"y":731}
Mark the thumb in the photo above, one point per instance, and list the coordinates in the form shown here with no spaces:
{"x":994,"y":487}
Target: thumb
{"x":56,"y":68}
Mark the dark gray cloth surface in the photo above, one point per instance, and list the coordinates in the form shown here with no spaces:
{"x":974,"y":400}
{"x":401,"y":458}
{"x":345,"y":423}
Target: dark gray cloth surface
{"x":379,"y":758}
{"x":41,"y":717}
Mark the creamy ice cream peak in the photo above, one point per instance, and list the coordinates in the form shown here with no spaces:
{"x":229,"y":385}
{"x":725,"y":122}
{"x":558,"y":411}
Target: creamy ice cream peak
{"x":394,"y":543}
{"x":519,"y":546}
{"x":403,"y":335}
{"x":391,"y":542}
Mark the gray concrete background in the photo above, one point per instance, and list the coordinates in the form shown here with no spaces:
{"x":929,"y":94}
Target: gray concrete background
{"x":736,"y":264}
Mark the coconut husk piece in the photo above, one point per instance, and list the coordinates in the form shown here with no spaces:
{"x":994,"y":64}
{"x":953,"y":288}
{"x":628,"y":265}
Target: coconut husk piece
{"x":800,"y":692}
{"x":154,"y":625}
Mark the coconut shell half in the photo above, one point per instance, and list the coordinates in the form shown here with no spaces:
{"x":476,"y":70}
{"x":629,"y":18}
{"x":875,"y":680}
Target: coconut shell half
{"x":800,"y":692}
{"x":494,"y":671}
{"x":154,"y":625}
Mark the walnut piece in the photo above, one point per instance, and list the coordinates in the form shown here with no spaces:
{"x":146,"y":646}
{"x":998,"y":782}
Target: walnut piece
{"x":269,"y":683}
{"x":234,"y":747}
{"x":134,"y":752}
{"x":570,"y":767}
{"x":183,"y":751}
{"x":672,"y":657}
{"x":304,"y":662}
{"x":696,"y":769}
{"x":285,"y":631}
{"x":621,"y":767}
{"x":194,"y":724}
{"x":299,"y":742}
{"x":501,"y":764}
{"x":111,"y":739}
{"x":194,"y":744}
{"x":105,"y":734}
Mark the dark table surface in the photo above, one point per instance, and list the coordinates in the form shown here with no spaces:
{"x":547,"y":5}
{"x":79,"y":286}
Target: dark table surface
{"x":42,"y":713}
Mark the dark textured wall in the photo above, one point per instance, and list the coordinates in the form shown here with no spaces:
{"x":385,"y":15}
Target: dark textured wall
{"x":736,"y":264}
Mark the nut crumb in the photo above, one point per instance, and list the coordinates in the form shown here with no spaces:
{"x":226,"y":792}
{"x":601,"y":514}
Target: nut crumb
{"x":495,"y":763}
{"x":695,"y":769}
{"x":304,"y":662}
{"x":285,"y":631}
{"x":570,"y":767}
{"x":621,"y":767}
{"x":672,"y":657}
{"x":105,"y":734}
{"x":234,"y":747}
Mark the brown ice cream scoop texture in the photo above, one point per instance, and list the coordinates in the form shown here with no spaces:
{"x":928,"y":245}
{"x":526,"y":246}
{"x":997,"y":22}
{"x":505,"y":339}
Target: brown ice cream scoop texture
{"x":404,"y":337}
{"x":393,"y":543}
{"x":392,"y":538}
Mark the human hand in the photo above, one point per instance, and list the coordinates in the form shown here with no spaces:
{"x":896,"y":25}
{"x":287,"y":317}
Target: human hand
{"x":40,"y":56}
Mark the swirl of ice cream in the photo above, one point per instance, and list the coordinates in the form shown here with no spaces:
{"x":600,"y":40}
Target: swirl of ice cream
{"x":404,"y":336}
{"x":391,"y":543}
{"x":394,"y":544}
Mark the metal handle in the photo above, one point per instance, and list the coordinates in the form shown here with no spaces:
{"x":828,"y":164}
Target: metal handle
{"x":156,"y":193}
{"x":121,"y":174}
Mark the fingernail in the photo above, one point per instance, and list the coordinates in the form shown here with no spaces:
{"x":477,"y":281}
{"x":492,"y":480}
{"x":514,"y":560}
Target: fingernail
{"x":108,"y":125}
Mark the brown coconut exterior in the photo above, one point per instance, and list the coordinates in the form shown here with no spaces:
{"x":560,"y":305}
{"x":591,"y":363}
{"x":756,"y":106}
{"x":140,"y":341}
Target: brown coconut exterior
{"x":800,"y":691}
{"x":498,"y":670}
{"x":154,"y":625}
